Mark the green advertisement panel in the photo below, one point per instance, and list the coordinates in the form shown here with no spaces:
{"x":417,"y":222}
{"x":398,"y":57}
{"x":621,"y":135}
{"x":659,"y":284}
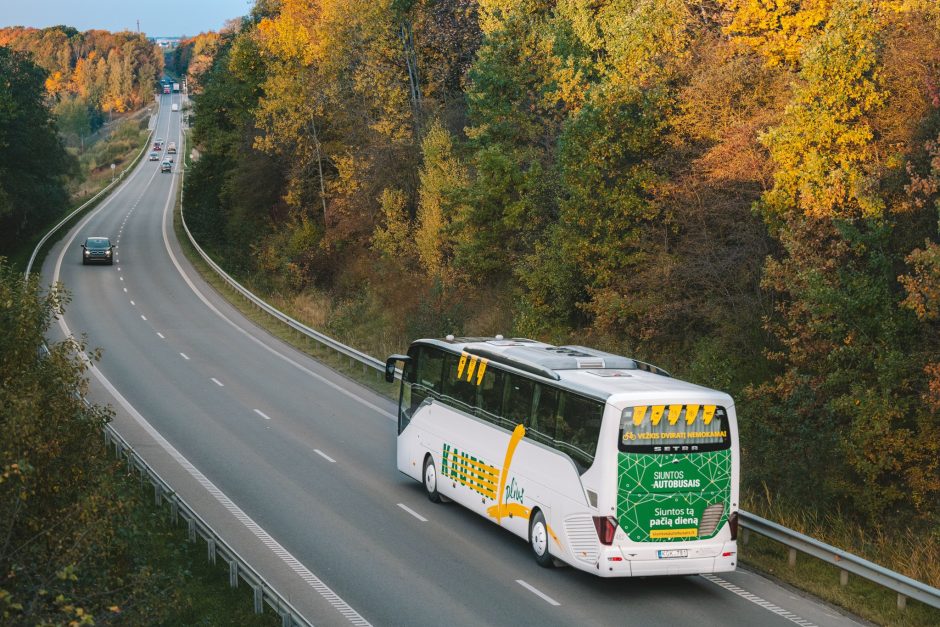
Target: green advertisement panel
{"x":673,"y":498}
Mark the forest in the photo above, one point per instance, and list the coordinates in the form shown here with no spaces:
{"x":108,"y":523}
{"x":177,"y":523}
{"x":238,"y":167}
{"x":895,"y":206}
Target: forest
{"x":744,"y":193}
{"x":90,"y":73}
{"x":57,"y":85}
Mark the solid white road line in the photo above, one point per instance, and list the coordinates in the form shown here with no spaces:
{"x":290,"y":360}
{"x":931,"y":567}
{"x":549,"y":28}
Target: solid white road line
{"x":537,"y":592}
{"x":218,"y":383}
{"x":324,"y":456}
{"x":184,"y":356}
{"x":262,"y":414}
{"x":753,"y":598}
{"x":412,"y":512}
{"x":351,"y":395}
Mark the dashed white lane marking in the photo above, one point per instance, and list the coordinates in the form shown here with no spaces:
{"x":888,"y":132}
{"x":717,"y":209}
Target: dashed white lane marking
{"x":184,"y":356}
{"x":753,"y":598}
{"x":412,"y":512}
{"x":324,"y":456}
{"x":120,"y":277}
{"x":338,"y":388}
{"x":537,"y":592}
{"x":262,"y":414}
{"x":125,"y":289}
{"x":119,"y":268}
{"x":161,"y":336}
{"x":143,"y":317}
{"x":218,"y":383}
{"x":133,"y":303}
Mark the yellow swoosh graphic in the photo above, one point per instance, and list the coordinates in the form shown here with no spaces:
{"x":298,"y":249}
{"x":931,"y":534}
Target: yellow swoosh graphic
{"x":500,"y":509}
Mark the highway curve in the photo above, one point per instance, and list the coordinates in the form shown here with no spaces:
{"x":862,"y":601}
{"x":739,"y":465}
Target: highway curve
{"x":303,"y":458}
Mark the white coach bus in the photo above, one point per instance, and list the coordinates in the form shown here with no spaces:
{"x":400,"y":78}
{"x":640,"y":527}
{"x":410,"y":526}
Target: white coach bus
{"x":597,"y":460}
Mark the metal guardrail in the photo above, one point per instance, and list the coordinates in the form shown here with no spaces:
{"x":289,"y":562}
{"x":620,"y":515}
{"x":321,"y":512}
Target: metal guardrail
{"x":904,"y":586}
{"x":354,"y":355}
{"x":104,"y":191}
{"x":848,"y":563}
{"x":238,"y":567}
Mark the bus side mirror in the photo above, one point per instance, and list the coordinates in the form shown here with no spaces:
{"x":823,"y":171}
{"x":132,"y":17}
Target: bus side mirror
{"x":390,"y":366}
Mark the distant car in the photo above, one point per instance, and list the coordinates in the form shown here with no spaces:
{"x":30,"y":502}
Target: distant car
{"x":157,"y":146}
{"x":97,"y":250}
{"x":154,"y":156}
{"x":174,"y":107}
{"x":166,"y":166}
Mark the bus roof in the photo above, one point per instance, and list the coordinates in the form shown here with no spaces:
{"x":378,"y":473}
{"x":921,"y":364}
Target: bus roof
{"x":588,"y":371}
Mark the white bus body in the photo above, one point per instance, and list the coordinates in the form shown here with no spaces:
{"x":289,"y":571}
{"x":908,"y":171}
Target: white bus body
{"x":603,"y":511}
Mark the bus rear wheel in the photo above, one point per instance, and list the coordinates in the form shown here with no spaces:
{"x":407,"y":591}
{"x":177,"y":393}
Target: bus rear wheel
{"x":538,"y":541}
{"x":430,"y":480}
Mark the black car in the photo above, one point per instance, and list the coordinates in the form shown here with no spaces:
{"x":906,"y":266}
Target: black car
{"x":97,"y":250}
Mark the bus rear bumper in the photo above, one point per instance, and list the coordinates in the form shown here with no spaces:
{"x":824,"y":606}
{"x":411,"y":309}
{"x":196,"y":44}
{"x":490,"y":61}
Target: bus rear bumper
{"x":613,"y":564}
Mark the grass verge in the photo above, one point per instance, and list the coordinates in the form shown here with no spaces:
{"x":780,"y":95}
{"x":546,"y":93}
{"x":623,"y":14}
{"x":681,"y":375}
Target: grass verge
{"x":916,"y":555}
{"x":196,"y":591}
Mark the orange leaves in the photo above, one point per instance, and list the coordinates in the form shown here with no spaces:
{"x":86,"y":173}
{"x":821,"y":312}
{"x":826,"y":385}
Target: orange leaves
{"x":923,"y":283}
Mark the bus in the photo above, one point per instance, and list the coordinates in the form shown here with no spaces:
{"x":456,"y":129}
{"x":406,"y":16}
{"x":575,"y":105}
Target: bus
{"x":598,"y":461}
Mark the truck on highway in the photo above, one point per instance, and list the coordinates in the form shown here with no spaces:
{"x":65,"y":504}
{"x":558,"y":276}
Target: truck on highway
{"x":176,"y":87}
{"x":171,"y":148}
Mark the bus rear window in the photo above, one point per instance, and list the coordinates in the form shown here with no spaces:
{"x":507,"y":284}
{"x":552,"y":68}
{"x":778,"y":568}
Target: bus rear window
{"x":674,"y":429}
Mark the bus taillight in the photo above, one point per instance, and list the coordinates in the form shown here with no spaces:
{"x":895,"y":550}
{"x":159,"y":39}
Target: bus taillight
{"x":733,"y":525}
{"x":606,"y":528}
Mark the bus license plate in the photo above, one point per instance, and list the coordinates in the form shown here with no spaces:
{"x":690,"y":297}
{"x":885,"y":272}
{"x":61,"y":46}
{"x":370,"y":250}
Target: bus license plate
{"x":673,"y":553}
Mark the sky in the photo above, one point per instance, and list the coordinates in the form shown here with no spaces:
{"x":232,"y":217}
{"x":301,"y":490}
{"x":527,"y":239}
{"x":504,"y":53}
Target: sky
{"x":158,"y":18}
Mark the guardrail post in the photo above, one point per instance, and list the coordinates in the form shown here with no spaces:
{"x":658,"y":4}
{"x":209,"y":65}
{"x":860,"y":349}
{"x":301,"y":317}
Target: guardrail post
{"x":174,"y":511}
{"x":233,"y":573}
{"x":902,"y":601}
{"x":286,"y":620}
{"x":791,"y":559}
{"x":211,"y":547}
{"x":843,"y":577}
{"x":745,"y":536}
{"x":157,"y":494}
{"x":191,"y":528}
{"x":259,"y":600}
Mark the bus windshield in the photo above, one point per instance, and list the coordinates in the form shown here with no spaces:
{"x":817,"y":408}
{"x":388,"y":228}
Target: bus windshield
{"x":674,"y":429}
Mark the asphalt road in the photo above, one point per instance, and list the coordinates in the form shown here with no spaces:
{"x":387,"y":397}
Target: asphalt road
{"x":309,"y":455}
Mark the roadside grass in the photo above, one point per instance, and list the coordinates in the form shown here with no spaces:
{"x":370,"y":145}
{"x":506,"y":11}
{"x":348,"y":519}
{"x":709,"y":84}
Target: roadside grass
{"x":197,"y":592}
{"x":916,"y":555}
{"x":120,"y":148}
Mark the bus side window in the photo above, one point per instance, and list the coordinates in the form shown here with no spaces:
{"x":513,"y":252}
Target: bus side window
{"x":421,"y":380}
{"x":457,"y":392}
{"x":518,"y":406}
{"x":541,"y":424}
{"x":489,"y":399}
{"x":578,"y":428}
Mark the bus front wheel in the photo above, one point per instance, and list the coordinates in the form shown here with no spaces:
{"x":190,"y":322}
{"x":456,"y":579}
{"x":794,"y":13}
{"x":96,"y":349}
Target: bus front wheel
{"x":538,"y":540}
{"x":430,"y":480}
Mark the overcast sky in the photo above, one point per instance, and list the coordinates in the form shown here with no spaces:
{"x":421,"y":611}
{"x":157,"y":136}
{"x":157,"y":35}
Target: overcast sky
{"x":157,"y":17}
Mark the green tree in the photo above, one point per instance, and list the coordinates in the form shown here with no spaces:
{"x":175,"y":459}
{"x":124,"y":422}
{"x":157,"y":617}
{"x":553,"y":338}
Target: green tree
{"x":33,"y":162}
